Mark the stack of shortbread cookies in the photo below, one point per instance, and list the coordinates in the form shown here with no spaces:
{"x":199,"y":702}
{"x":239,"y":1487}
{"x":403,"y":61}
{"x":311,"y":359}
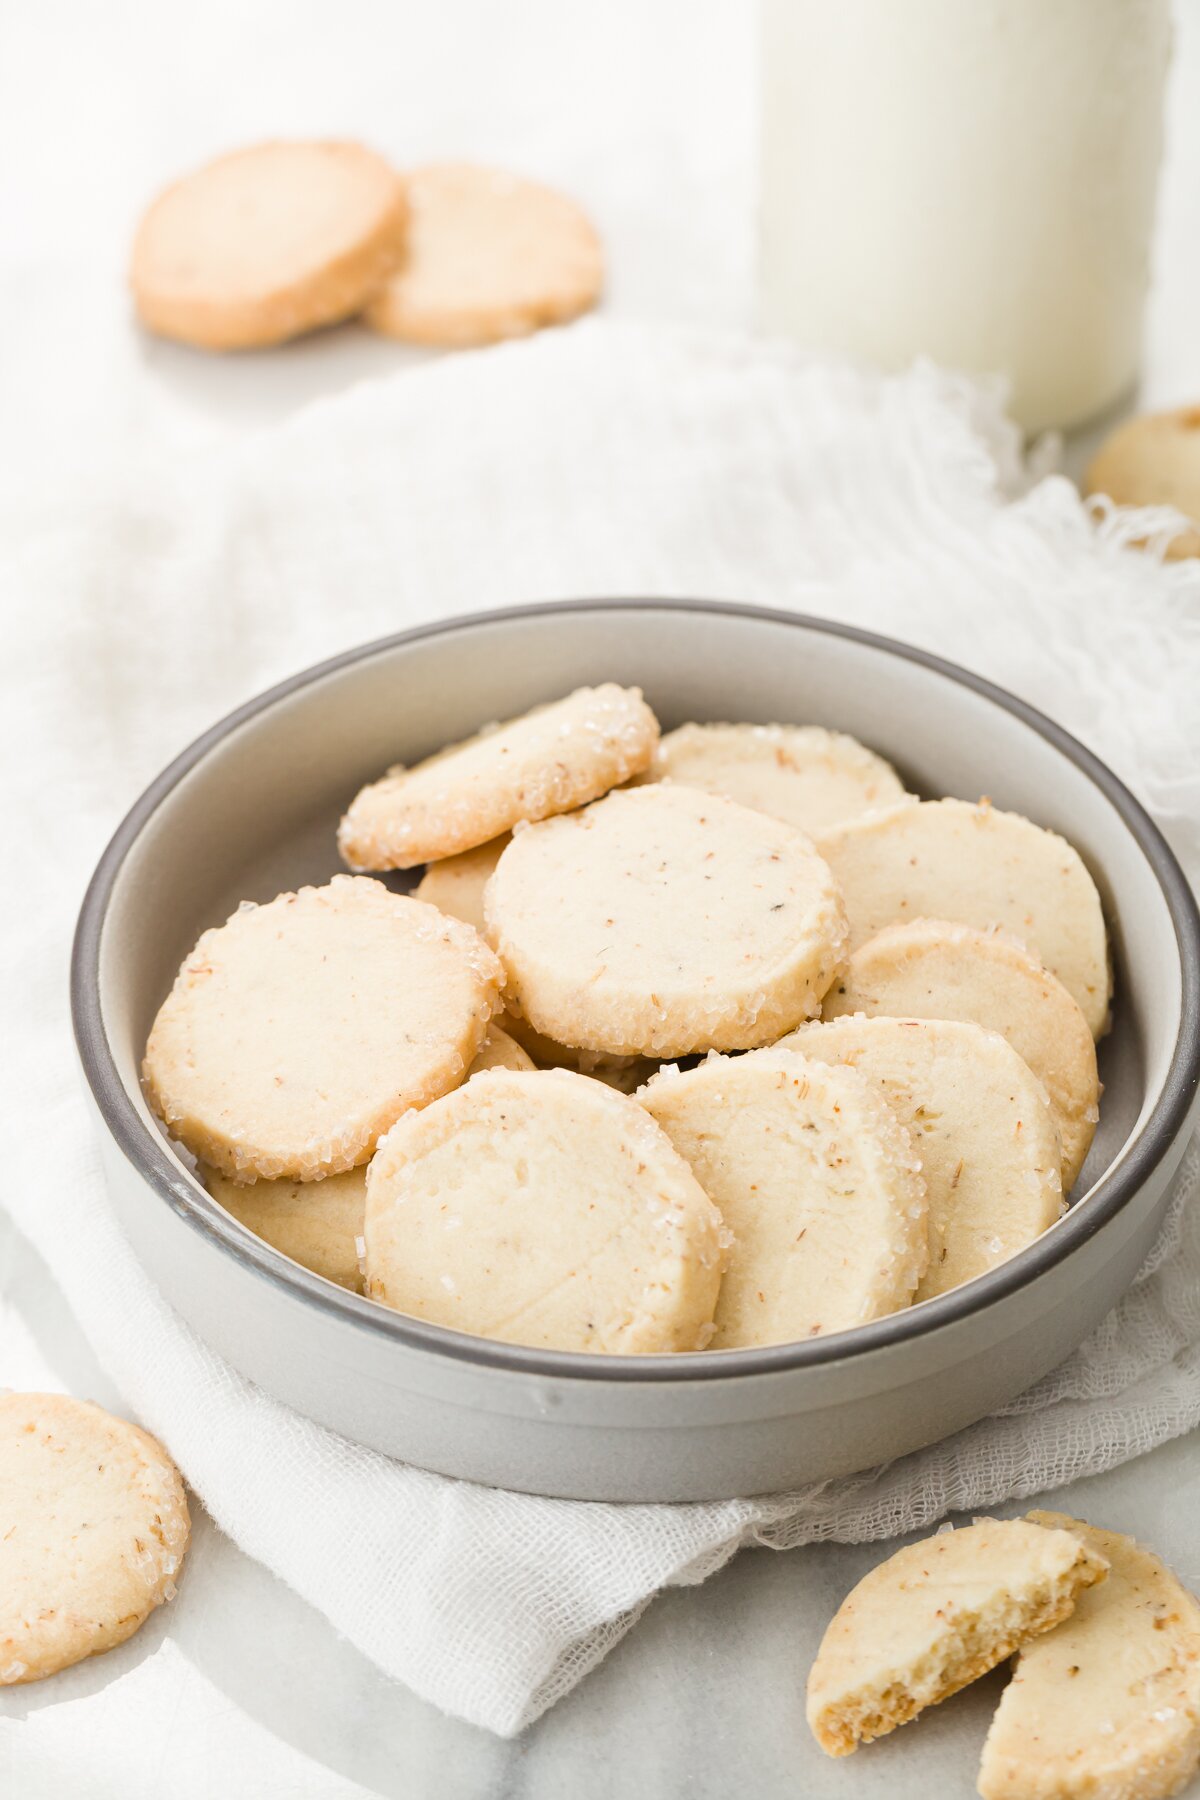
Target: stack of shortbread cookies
{"x":283,"y":238}
{"x":711,"y":1040}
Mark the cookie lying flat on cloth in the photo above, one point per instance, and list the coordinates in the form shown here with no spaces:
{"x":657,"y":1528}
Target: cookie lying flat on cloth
{"x":980,"y":1124}
{"x":1154,"y":461}
{"x":662,"y":921}
{"x":549,"y":760}
{"x":543,"y":1209}
{"x":936,"y":1616}
{"x":267,"y":243}
{"x":298,"y":1031}
{"x":817,"y":1181}
{"x":809,"y":777}
{"x":945,"y":859}
{"x":934,"y":969}
{"x":489,"y":256}
{"x":93,"y":1528}
{"x":1107,"y":1707}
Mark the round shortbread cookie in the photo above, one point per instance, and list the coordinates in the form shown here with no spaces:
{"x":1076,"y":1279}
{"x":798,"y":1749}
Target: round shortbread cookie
{"x":802,"y":774}
{"x":946,"y":859}
{"x":1154,"y":461}
{"x":299,"y":1031}
{"x":93,"y":1528}
{"x":936,"y":1616}
{"x":934,"y":969}
{"x":455,"y":885}
{"x":1108,"y":1706}
{"x":817,"y":1181}
{"x":980,"y":1122}
{"x":544,"y":1209}
{"x":317,"y":1223}
{"x":548,"y":761}
{"x":267,"y":243}
{"x":489,"y":256}
{"x":662,"y":921}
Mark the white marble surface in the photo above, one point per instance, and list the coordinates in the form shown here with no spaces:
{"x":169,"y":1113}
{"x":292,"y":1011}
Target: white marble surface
{"x":645,"y":109}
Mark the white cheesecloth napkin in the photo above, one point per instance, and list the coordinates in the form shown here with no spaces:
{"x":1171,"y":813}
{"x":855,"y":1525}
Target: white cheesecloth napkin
{"x":600,"y":460}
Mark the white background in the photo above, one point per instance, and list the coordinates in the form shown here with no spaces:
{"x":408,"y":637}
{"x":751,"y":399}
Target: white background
{"x":645,"y":110}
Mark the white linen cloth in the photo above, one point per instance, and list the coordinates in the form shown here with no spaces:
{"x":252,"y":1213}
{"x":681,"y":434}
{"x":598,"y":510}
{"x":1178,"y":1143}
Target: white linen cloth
{"x":600,"y":460}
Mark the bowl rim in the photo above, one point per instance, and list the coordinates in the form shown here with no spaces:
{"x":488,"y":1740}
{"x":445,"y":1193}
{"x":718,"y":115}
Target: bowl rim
{"x":148,"y":1152}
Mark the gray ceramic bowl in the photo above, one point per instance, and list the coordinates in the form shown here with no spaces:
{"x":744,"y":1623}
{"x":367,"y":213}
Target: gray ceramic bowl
{"x":250,"y":809}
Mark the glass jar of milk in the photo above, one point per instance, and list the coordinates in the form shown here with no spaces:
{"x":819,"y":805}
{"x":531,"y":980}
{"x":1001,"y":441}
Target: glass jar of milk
{"x":969,"y":179}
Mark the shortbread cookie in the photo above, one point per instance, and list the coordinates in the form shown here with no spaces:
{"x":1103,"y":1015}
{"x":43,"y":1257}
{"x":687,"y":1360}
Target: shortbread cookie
{"x":945,"y":859}
{"x":803,"y":774}
{"x":1107,"y":1707}
{"x":936,"y":1616}
{"x":500,"y":1051}
{"x":817,"y":1181}
{"x":980,"y":1122}
{"x":298,"y":1031}
{"x":934,"y":969}
{"x":317,"y":1223}
{"x":489,"y":256}
{"x":548,"y":761}
{"x":1154,"y":461}
{"x":93,"y":1528}
{"x":268,"y":242}
{"x":543,"y":1209}
{"x":662,"y":921}
{"x":455,"y":885}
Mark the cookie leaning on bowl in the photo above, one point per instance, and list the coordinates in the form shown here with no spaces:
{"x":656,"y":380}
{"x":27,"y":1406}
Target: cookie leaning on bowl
{"x":947,"y":859}
{"x":299,"y":1031}
{"x":816,"y":1179}
{"x":980,"y":1123}
{"x":937,"y":969}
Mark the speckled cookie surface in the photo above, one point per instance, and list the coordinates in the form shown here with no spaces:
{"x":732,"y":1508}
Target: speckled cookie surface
{"x":316,"y":1223}
{"x":934,"y":969}
{"x":1154,"y":461}
{"x":946,"y":859}
{"x":489,"y":256}
{"x":980,"y":1123}
{"x":937,"y":1615}
{"x":93,"y":1529}
{"x":662,"y":921}
{"x":802,"y":774}
{"x":299,"y":1031}
{"x":550,"y":760}
{"x":267,"y":243}
{"x":544,"y":1209}
{"x":1107,"y":1707}
{"x":816,"y":1179}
